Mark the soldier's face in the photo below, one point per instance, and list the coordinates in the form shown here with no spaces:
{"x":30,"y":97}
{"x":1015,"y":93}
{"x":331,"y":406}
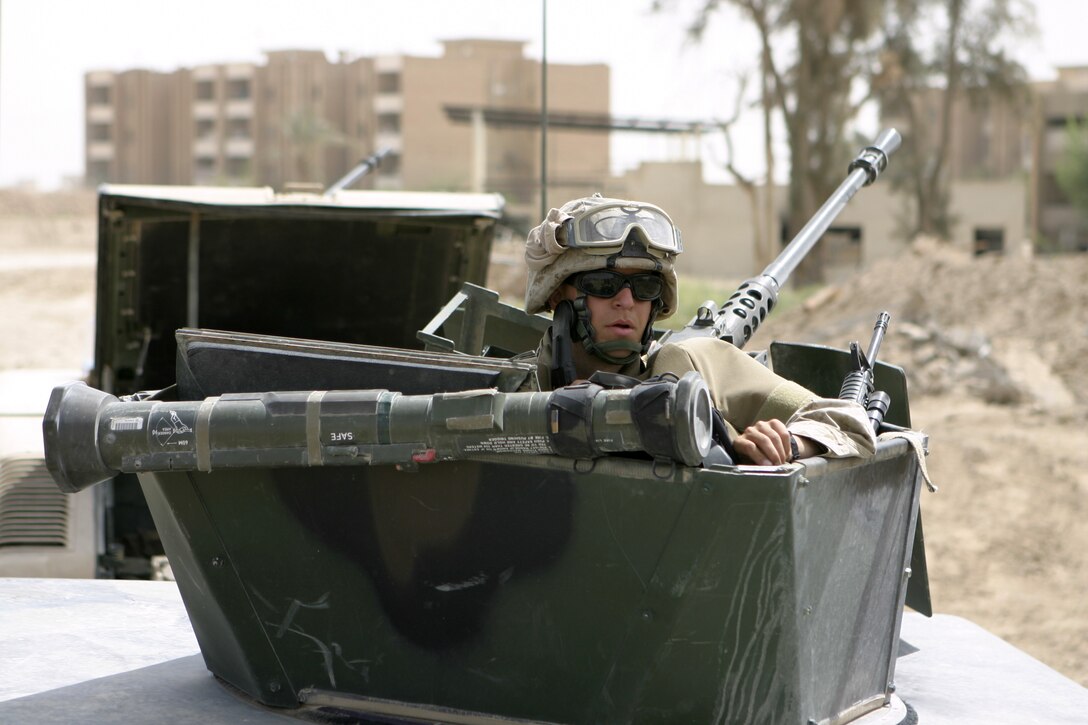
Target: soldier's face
{"x":620,"y":317}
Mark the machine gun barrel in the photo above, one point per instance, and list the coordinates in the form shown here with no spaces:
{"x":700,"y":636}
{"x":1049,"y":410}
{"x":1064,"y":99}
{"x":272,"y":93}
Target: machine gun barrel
{"x":90,"y":436}
{"x":360,"y":170}
{"x":738,"y":318}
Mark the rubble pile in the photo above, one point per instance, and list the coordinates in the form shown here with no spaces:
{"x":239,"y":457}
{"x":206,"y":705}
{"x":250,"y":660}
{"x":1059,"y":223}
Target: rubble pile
{"x":1008,"y":330}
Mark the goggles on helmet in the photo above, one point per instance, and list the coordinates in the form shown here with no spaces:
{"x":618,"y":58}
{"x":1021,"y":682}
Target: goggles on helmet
{"x":606,"y":283}
{"x":605,"y":228}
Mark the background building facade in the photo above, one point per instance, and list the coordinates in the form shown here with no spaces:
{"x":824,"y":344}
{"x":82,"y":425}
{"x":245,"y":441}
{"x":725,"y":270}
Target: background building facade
{"x":1059,"y":225}
{"x":299,"y":119}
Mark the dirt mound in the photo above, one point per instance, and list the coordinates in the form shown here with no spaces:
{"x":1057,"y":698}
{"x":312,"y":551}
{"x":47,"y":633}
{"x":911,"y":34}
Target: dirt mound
{"x":1004,"y":329}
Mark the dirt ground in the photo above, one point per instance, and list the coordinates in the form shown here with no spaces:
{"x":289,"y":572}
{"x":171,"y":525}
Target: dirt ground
{"x":996,"y":351}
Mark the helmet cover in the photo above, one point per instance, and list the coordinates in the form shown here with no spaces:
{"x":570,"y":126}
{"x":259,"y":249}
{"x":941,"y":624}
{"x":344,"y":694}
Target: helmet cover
{"x":551,"y":261}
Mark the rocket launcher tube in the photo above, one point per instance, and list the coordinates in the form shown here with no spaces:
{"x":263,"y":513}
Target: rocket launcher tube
{"x":739,"y":317}
{"x":90,"y":436}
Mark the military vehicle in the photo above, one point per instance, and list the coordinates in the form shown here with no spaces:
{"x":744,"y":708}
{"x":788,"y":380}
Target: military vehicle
{"x":398,"y":533}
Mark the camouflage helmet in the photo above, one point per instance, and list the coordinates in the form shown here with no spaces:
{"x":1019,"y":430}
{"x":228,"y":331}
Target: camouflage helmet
{"x":552,"y":255}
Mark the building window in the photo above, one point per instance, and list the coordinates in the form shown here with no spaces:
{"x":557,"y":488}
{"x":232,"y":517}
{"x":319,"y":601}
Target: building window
{"x":389,"y":123}
{"x":842,"y":251}
{"x":99,"y":132}
{"x":989,"y":240}
{"x":389,"y":83}
{"x":1051,"y":192}
{"x":390,"y":165}
{"x":238,"y":169}
{"x":238,"y":128}
{"x":238,"y":89}
{"x":99,"y":95}
{"x":205,"y":128}
{"x":1063,"y":122}
{"x":203,"y":169}
{"x":205,"y":90}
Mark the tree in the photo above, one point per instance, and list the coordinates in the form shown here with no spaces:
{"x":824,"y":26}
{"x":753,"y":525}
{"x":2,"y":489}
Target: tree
{"x":824,"y":60}
{"x":1072,"y":168}
{"x":937,"y":54}
{"x":811,"y":82}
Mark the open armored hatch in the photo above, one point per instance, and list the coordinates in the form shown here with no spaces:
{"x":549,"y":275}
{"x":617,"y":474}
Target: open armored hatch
{"x":249,"y":260}
{"x":503,"y":586}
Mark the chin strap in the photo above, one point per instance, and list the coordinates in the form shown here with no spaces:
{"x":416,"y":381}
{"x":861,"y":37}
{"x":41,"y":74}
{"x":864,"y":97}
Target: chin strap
{"x":571,"y":323}
{"x":616,"y":352}
{"x":562,"y":366}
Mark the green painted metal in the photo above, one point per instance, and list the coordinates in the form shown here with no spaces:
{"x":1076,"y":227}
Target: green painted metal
{"x":251,"y":260}
{"x":536,"y":591}
{"x":549,"y":589}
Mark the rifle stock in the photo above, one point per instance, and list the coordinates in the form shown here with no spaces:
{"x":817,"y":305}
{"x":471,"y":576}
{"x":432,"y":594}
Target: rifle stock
{"x":738,"y":318}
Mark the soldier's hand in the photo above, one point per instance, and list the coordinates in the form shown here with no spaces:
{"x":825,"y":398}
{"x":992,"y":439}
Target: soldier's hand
{"x":765,"y":443}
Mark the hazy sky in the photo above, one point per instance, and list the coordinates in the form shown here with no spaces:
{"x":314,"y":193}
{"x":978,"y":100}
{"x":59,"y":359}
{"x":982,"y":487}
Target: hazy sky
{"x":47,"y":45}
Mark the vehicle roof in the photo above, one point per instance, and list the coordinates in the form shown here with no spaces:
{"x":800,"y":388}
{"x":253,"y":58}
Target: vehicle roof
{"x":403,"y":202}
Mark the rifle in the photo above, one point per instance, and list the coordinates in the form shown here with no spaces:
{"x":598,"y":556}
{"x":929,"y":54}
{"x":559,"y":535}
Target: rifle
{"x":859,"y":384}
{"x":739,"y":317}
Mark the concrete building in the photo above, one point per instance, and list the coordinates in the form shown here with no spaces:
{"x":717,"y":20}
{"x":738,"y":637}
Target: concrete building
{"x":130,"y":125}
{"x":995,"y":138}
{"x":990,"y":136}
{"x":298,"y":118}
{"x":1059,"y":225}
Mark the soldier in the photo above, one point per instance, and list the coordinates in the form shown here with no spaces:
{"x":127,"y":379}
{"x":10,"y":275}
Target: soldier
{"x":604,"y":268}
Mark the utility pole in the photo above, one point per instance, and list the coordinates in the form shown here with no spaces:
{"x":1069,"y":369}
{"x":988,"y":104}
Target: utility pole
{"x":544,"y":111}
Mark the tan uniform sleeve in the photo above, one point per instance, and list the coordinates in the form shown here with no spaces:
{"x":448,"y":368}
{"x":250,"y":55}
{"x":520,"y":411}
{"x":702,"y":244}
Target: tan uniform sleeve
{"x":742,"y":389}
{"x":745,"y":392}
{"x":841,"y":426}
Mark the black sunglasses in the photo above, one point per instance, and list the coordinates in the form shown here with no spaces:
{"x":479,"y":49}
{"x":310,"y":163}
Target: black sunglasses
{"x":605,"y":283}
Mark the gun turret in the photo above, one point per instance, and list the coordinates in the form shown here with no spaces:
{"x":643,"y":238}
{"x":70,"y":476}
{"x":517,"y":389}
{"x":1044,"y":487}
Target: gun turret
{"x":738,"y":318}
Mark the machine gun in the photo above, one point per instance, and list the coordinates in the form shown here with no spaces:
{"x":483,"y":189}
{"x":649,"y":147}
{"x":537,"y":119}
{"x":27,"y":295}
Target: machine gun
{"x":738,"y":318}
{"x":859,"y":385}
{"x":361,"y":169}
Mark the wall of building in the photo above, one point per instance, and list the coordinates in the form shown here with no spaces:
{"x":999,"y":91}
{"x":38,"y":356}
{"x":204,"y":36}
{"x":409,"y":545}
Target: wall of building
{"x":1057,"y":223}
{"x":980,"y":206}
{"x":988,"y":136}
{"x":717,"y":220}
{"x":578,"y":161}
{"x":299,"y":118}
